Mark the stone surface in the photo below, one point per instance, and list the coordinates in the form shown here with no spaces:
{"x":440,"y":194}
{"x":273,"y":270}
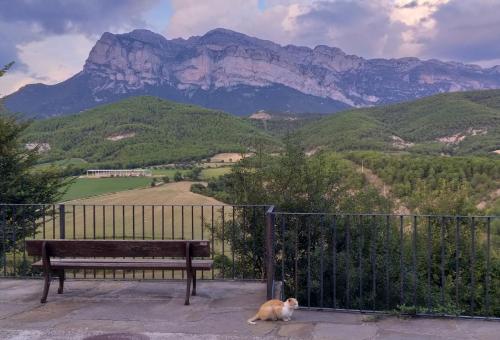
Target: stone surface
{"x":127,"y":310}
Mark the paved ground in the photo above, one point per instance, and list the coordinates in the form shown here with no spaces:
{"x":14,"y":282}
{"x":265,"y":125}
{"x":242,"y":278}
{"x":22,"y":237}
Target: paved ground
{"x":155,"y":310}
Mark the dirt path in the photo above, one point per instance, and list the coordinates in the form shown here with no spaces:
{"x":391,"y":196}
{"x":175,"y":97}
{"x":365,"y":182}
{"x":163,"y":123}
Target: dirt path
{"x":384,"y":189}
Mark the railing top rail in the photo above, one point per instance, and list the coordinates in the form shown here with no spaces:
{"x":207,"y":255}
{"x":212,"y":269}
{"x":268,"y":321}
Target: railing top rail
{"x":138,"y":205}
{"x":381,"y":214}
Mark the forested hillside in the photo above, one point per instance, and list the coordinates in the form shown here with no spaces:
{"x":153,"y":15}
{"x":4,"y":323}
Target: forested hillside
{"x":434,"y":184}
{"x":144,"y":131}
{"x":454,"y":124}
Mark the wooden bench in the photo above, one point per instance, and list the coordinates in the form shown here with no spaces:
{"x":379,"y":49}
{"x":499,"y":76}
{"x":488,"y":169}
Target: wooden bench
{"x":76,"y":254}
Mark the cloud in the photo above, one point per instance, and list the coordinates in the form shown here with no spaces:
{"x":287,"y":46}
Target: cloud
{"x":23,"y":22}
{"x":461,"y":30}
{"x":465,"y":30}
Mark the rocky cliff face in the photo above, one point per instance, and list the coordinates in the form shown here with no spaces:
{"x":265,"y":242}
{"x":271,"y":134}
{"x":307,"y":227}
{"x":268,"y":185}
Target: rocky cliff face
{"x":234,"y":72}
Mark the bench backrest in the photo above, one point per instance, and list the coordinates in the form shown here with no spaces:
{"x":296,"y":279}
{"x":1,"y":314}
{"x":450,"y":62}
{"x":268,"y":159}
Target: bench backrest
{"x":118,"y":248}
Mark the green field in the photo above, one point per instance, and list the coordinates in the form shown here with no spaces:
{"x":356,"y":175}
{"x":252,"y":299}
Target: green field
{"x":87,"y":187}
{"x":205,"y":173}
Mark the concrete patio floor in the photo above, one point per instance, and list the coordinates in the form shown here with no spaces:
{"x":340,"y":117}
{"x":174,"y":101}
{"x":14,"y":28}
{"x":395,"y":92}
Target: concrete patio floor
{"x":155,"y":310}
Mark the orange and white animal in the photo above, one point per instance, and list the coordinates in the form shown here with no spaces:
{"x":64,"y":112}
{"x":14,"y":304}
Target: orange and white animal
{"x":275,"y":310}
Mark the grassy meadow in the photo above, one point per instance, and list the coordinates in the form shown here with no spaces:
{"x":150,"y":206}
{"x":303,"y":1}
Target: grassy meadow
{"x":88,"y":187}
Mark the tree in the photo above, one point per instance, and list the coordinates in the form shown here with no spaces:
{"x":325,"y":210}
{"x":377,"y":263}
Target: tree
{"x":178,"y":176}
{"x":21,"y":187}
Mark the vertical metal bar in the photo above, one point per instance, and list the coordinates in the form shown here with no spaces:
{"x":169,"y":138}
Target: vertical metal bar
{"x":133,"y":232}
{"x":414,"y":262}
{"x":429,"y":263}
{"x":308,"y":263}
{"x":173,"y":228}
{"x":244,"y":241}
{"x":104,"y":223}
{"x":488,"y":269}
{"x":223,"y":255}
{"x":123,"y":222}
{"x":43,"y":221}
{"x":372,"y":260}
{"x":163,"y":234}
{"x":123,"y":231}
{"x":74,"y":221}
{"x":24,"y":234}
{"x":62,"y":221}
{"x":386,"y":259}
{"x":182,"y":222}
{"x":143,"y":234}
{"x":213,"y":243}
{"x":14,"y":240}
{"x":457,"y":262}
{"x":296,"y":262}
{"x":401,"y":292}
{"x":283,"y":254}
{"x":162,"y":222}
{"x":84,"y":232}
{"x":334,"y":261}
{"x":202,"y":226}
{"x":143,"y":222}
{"x":233,"y":231}
{"x":321,"y":277}
{"x":473,"y":265}
{"x":153,"y":222}
{"x":361,"y":242}
{"x":114,"y":234}
{"x":114,"y":222}
{"x":93,"y":220}
{"x":192,"y":222}
{"x":74,"y":231}
{"x":153,"y":231}
{"x":442,"y":260}
{"x":104,"y":230}
{"x":348,"y":262}
{"x":254,"y":236}
{"x":53,"y":221}
{"x":93,"y":225}
{"x":133,"y":222}
{"x":269,"y":252}
{"x":4,"y":243}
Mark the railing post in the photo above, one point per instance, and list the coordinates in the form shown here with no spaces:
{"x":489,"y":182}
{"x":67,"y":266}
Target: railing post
{"x":62,"y":222}
{"x":269,"y":252}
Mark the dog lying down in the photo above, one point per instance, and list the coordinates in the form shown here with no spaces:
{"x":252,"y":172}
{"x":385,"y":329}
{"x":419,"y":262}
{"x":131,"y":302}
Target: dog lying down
{"x":275,"y":310}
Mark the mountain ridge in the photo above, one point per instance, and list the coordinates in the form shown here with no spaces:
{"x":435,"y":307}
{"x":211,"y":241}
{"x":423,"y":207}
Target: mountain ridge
{"x":234,"y":72}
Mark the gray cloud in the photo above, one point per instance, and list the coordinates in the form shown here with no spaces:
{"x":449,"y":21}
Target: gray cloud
{"x":465,"y":30}
{"x":359,"y":27}
{"x":23,"y":21}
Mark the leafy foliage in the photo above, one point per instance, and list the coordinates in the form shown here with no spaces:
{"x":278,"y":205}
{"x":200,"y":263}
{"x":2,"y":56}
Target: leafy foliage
{"x":433,"y":184}
{"x":20,"y":185}
{"x":147,"y":131}
{"x":475,"y":115}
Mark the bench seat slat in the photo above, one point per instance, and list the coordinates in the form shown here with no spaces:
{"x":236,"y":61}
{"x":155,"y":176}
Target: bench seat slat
{"x":91,"y":263}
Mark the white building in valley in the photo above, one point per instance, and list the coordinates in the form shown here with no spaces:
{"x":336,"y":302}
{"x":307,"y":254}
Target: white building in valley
{"x":119,"y":173}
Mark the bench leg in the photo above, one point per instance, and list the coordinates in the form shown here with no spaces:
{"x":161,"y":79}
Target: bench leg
{"x":62,"y":277}
{"x":188,"y":288}
{"x":194,"y":283}
{"x":46,"y":286}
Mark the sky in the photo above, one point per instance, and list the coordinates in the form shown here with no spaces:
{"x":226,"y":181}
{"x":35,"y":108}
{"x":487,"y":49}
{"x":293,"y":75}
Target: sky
{"x":49,"y":40}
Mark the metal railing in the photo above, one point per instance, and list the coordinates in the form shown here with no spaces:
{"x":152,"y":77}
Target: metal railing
{"x":446,"y":265}
{"x":234,"y":231}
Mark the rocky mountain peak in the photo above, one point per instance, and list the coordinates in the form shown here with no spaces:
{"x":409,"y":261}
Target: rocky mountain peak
{"x":232,"y":71}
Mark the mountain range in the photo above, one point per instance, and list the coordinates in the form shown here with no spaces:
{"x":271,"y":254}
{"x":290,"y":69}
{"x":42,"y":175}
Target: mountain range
{"x":239,"y":74}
